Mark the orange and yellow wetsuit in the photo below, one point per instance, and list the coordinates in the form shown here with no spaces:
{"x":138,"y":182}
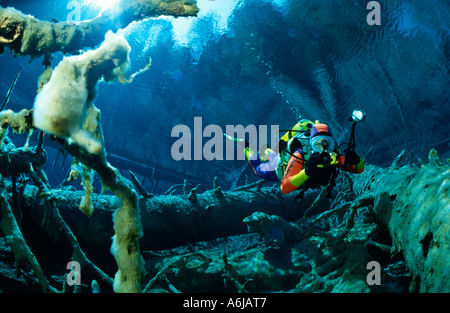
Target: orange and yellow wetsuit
{"x":296,"y":176}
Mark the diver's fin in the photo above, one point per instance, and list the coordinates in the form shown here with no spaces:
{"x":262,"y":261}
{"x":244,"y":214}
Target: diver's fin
{"x":233,"y":138}
{"x":243,"y":142}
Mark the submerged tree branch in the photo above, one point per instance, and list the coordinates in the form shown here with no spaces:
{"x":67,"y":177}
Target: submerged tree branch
{"x":22,"y":253}
{"x":25,"y":35}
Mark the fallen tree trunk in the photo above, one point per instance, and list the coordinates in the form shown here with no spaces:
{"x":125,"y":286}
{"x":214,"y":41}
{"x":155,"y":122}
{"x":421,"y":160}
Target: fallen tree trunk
{"x":175,"y":220}
{"x":26,"y":35}
{"x":169,"y":220}
{"x":411,"y":202}
{"x":414,"y":205}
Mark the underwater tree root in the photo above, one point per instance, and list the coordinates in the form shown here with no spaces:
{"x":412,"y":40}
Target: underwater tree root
{"x":77,"y":254}
{"x":30,"y":161}
{"x":178,"y":263}
{"x":414,"y":205}
{"x":14,"y":237}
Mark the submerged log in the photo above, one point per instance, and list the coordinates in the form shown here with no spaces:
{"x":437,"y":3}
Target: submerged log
{"x":414,"y":205}
{"x":169,"y":220}
{"x":411,"y":202}
{"x":26,"y":35}
{"x":176,"y":220}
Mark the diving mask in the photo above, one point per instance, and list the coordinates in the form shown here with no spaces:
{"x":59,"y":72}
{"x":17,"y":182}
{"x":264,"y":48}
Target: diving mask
{"x":323,"y":143}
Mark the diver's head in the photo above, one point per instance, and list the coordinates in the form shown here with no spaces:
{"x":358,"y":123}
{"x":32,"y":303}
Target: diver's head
{"x":323,"y":143}
{"x":321,"y":139}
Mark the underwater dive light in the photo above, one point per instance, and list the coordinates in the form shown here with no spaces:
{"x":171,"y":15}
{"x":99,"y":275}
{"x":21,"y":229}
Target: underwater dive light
{"x":358,"y":116}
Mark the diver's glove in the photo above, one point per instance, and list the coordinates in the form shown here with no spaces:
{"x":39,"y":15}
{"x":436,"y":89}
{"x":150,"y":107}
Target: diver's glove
{"x":351,"y":157}
{"x":311,"y":168}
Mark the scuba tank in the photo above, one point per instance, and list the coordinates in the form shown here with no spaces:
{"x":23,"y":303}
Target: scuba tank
{"x":297,"y":136}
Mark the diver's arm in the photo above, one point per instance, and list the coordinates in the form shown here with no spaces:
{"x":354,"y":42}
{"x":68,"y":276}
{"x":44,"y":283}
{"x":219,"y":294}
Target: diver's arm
{"x":295,"y":175}
{"x":299,"y":179}
{"x":354,"y":164}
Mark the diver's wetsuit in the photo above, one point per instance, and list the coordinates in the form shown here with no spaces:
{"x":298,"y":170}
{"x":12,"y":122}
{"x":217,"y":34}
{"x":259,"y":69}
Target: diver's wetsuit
{"x":295,"y":176}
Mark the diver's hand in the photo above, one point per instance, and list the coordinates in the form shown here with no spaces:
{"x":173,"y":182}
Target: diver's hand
{"x":351,"y":157}
{"x":311,"y":168}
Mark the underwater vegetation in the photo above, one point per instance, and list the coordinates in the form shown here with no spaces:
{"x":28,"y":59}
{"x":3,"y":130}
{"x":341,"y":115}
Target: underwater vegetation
{"x":383,"y":230}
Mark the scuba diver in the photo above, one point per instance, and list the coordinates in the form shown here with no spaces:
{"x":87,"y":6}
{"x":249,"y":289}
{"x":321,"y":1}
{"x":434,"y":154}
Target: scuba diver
{"x":308,"y":157}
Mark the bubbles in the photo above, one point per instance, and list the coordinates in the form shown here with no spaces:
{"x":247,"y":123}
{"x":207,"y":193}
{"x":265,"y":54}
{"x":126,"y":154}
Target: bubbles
{"x":102,"y":4}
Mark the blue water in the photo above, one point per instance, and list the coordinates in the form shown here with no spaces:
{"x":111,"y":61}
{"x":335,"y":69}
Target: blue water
{"x":243,"y":62}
